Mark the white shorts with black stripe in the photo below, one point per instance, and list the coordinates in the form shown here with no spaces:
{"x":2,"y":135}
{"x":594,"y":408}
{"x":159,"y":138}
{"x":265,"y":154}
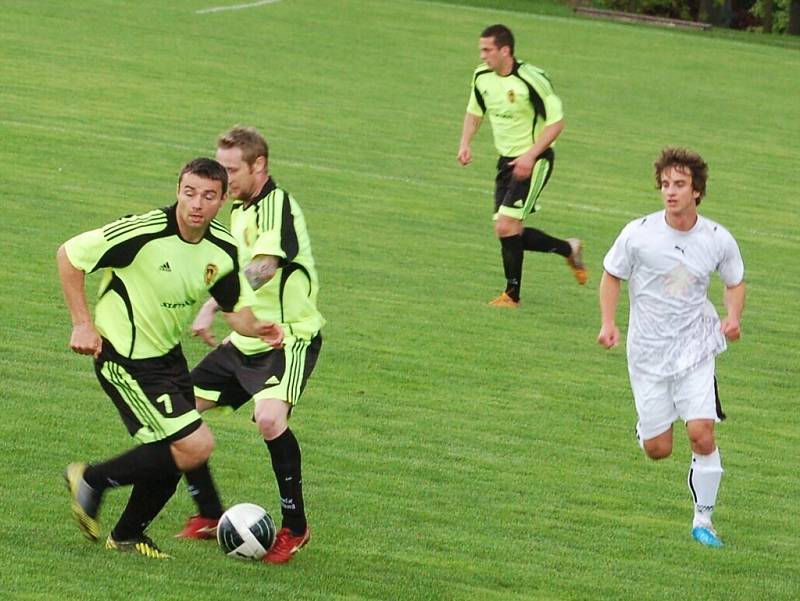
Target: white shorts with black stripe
{"x":660,"y":402}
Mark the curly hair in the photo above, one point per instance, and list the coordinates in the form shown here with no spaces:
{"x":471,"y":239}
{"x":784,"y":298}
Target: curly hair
{"x":684,"y":160}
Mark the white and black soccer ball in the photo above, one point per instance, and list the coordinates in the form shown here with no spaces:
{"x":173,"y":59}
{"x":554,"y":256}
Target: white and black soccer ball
{"x":246,"y":531}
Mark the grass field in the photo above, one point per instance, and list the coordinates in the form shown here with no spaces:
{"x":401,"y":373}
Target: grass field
{"x":451,"y":451}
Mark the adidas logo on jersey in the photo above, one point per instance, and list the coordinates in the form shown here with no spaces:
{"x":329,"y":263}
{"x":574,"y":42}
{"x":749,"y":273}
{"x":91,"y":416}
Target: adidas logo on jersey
{"x":272,"y":380}
{"x":165,"y":267}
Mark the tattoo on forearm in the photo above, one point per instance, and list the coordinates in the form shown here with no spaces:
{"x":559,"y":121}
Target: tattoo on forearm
{"x":260,"y":271}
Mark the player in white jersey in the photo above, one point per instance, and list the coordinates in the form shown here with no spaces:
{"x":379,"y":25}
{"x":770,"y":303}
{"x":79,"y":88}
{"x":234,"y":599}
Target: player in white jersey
{"x":674,"y":332}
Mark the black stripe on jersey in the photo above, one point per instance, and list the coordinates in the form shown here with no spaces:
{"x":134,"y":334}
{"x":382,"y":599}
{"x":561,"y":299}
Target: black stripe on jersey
{"x":118,"y":286}
{"x":118,"y":229}
{"x":289,"y":242}
{"x":286,"y":272}
{"x":533,"y":95}
{"x":478,"y":95}
{"x":122,"y":254}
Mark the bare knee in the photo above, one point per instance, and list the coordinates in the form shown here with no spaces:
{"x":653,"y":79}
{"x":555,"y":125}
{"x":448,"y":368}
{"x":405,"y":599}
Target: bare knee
{"x":271,"y":417}
{"x":659,"y":447}
{"x":701,"y":436}
{"x":505,"y":227}
{"x":657,"y":451}
{"x":193,"y":450}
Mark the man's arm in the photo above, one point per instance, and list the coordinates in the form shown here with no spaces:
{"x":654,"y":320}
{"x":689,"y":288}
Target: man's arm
{"x":261,"y":270}
{"x":733,"y":298}
{"x":245,"y":322}
{"x":471,"y":125}
{"x":84,"y":339}
{"x":609,"y":297}
{"x":203,"y":322}
{"x":523,"y":164}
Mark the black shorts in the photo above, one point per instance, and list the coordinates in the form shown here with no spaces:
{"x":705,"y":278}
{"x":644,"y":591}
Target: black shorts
{"x":229,"y":378}
{"x":517,"y":198}
{"x":154,"y":397}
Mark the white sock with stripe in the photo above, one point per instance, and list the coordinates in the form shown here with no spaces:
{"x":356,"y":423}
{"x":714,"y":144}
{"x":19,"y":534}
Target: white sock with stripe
{"x":705,"y":474}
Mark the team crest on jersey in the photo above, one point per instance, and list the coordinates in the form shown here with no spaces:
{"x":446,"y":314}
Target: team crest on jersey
{"x":511,"y":96}
{"x":211,"y":273}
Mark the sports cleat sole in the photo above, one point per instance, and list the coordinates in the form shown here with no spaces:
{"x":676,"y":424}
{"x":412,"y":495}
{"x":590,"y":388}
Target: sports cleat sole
{"x":504,"y":301}
{"x":144,"y":547}
{"x":575,"y":261}
{"x":88,"y":525}
{"x":707,"y":537}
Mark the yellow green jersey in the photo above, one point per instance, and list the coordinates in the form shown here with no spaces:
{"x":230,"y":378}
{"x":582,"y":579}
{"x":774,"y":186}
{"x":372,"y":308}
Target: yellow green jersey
{"x":519,"y":105}
{"x":154,"y":281}
{"x":273,"y":224}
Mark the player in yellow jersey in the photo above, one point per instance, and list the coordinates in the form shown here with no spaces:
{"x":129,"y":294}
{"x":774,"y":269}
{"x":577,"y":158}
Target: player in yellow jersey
{"x":526,"y":118}
{"x":157,"y":267}
{"x":275,"y":251}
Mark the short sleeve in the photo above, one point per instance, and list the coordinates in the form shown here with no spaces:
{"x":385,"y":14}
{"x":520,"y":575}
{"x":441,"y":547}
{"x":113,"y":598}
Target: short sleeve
{"x":731,"y":266}
{"x":476,"y":106}
{"x":618,"y":261}
{"x":229,"y":290}
{"x":85,"y":250}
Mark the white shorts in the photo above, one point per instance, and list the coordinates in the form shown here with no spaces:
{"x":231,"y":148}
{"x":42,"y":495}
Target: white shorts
{"x":660,"y":402}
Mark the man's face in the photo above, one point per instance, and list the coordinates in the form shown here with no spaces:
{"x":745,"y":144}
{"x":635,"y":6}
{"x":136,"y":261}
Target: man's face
{"x":493,"y":56}
{"x":241,"y":176}
{"x":199,"y":201}
{"x":677,"y":192}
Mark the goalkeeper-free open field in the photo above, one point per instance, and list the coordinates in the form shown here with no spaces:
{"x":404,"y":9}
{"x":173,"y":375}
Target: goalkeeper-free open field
{"x":451,"y":451}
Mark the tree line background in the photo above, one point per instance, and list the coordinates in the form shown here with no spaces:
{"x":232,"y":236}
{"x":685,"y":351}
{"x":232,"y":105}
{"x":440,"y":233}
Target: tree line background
{"x":769,"y":16}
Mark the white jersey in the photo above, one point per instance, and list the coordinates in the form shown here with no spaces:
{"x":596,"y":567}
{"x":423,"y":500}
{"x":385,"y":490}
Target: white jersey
{"x":673,"y":325}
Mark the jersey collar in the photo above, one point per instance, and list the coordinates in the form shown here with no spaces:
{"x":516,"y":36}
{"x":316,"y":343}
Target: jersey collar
{"x":269,"y":186}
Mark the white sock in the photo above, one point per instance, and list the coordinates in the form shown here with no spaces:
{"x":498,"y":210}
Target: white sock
{"x":705,"y":474}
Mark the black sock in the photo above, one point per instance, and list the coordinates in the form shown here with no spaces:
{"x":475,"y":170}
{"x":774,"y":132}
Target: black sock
{"x":512,"y":251}
{"x":147,"y":499}
{"x":285,"y":453}
{"x":538,"y":241}
{"x":145,"y":462}
{"x":203,"y":492}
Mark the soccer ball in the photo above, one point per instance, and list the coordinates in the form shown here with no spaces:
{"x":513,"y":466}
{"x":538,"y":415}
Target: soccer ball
{"x":246,"y":531}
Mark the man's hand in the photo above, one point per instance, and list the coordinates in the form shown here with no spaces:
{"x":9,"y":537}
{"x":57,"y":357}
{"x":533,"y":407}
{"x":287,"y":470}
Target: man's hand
{"x":85,"y":340}
{"x":201,"y":327}
{"x":523,"y":167}
{"x":464,"y":154}
{"x":271,"y":333}
{"x":731,"y":329}
{"x":609,"y":336}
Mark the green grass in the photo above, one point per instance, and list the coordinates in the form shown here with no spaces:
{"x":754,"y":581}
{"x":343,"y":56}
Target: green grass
{"x":451,"y":451}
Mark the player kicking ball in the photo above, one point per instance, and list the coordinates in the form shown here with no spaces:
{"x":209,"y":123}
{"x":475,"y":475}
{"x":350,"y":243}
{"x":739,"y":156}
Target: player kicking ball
{"x":674,"y":332}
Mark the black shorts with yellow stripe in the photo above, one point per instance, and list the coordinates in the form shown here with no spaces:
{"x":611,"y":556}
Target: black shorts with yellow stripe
{"x":154,"y":397}
{"x":230,"y":378}
{"x":517,"y":198}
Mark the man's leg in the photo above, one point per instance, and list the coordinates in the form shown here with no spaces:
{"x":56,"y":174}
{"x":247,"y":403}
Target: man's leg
{"x":271,"y":417}
{"x":204,"y":493}
{"x":511,"y":245}
{"x":705,"y":475}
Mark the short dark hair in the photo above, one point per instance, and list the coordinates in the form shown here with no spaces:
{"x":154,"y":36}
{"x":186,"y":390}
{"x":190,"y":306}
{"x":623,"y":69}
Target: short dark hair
{"x":684,"y":160}
{"x":208,"y":169}
{"x":502,"y":36}
{"x":248,"y":140}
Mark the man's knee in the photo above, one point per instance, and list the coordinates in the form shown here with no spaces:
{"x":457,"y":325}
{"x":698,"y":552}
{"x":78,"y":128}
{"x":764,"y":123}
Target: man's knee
{"x":271,"y":417}
{"x":193,"y":450}
{"x":506,"y":226}
{"x":701,"y":436}
{"x":657,"y":451}
{"x":659,"y":447}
